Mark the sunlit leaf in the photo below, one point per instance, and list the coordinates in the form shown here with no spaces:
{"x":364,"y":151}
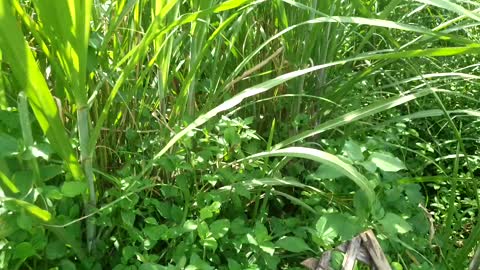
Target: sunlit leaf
{"x":387,"y":162}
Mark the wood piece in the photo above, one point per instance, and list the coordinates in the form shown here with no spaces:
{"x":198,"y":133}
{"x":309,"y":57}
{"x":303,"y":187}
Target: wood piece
{"x":363,"y":247}
{"x":376,"y":252}
{"x":362,"y":254}
{"x":351,"y":254}
{"x":322,"y":264}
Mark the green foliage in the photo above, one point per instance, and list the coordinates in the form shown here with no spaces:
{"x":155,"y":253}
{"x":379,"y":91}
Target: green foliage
{"x":236,"y":134}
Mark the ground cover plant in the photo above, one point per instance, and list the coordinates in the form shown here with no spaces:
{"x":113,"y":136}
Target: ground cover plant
{"x":238,"y":134}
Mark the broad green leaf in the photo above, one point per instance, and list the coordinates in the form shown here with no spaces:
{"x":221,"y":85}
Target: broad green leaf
{"x":7,"y":225}
{"x":219,"y":228}
{"x":55,"y":250}
{"x":394,"y":224}
{"x":352,"y":150}
{"x":23,"y":250}
{"x":343,"y":225}
{"x":368,"y":165}
{"x":128,"y":217}
{"x":327,"y":172}
{"x":67,"y":265}
{"x":152,"y":266}
{"x":267,"y":247}
{"x":198,"y":263}
{"x":233,"y":265}
{"x":414,"y":194}
{"x":292,"y":244}
{"x":203,"y":230}
{"x":210,"y":242}
{"x":72,"y":189}
{"x":156,"y":232}
{"x":190,"y":225}
{"x":24,"y":221}
{"x":325,"y":158}
{"x":360,"y":205}
{"x":52,"y":192}
{"x":47,"y":172}
{"x":387,"y":162}
{"x":261,"y":233}
{"x":206,"y":213}
{"x":8,"y":144}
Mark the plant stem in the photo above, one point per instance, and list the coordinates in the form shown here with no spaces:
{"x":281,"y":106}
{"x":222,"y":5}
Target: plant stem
{"x":86,"y":160}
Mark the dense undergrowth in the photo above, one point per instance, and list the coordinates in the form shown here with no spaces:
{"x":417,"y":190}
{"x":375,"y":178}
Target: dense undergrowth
{"x":138,"y":134}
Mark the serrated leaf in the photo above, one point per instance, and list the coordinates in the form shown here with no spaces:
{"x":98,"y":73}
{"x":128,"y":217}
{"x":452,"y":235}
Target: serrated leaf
{"x":292,"y":244}
{"x":387,"y":162}
{"x":325,"y":232}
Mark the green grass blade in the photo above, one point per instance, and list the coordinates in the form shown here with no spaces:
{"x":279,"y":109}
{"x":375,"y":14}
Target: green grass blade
{"x":265,"y":86}
{"x":450,"y":5}
{"x":31,"y":208}
{"x":325,"y":158}
{"x":8,"y":183}
{"x":351,"y":20}
{"x":137,"y":53}
{"x":24,"y":67}
{"x":356,"y":115}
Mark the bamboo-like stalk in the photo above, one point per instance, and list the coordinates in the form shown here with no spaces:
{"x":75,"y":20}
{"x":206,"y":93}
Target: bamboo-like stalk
{"x":86,"y":161}
{"x":198,"y":34}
